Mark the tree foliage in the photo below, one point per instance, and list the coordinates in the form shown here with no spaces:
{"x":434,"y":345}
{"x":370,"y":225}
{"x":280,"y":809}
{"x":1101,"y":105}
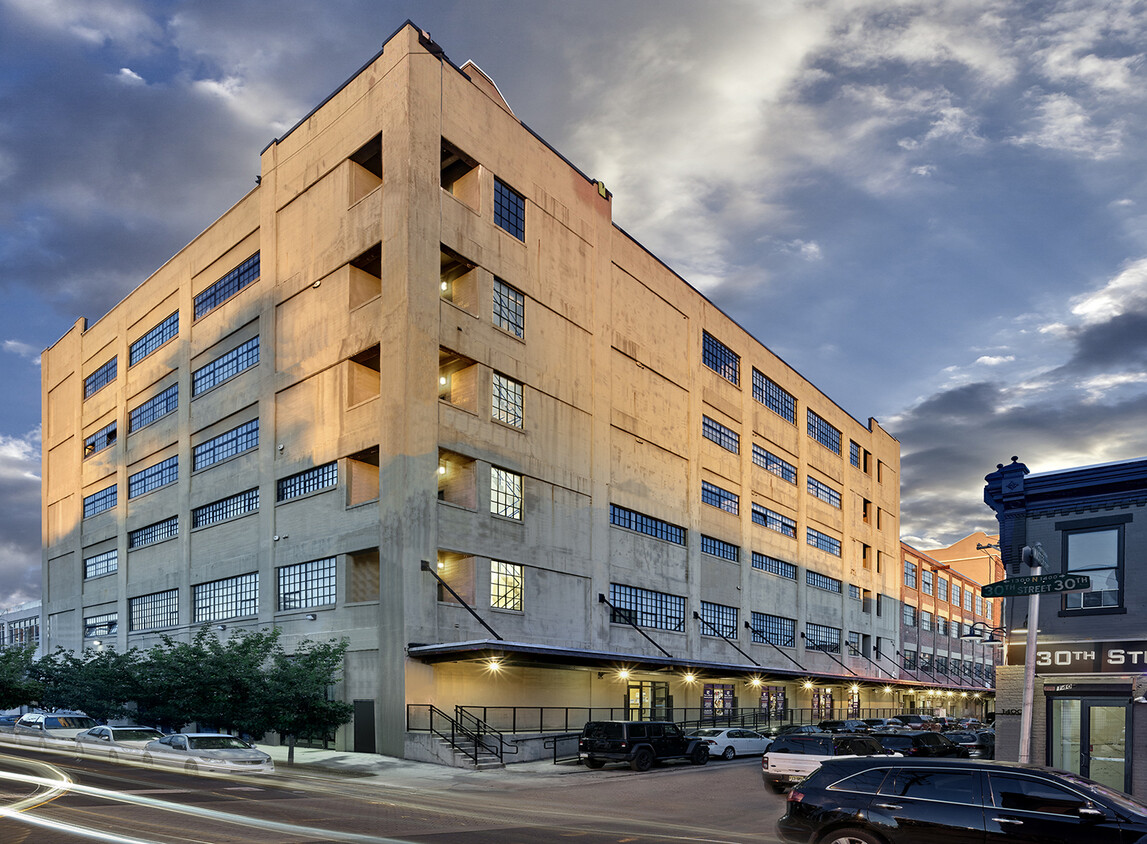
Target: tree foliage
{"x":98,"y":682}
{"x":18,"y":684}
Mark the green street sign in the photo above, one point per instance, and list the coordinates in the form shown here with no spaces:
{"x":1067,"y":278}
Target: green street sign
{"x":1016,"y":586}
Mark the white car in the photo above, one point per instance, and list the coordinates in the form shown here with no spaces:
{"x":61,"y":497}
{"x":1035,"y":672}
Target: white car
{"x":217,"y":752}
{"x":116,"y":742}
{"x":733,"y":741}
{"x":42,"y":728}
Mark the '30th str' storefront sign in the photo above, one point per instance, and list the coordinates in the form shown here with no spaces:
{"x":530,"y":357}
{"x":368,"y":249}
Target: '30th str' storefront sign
{"x":1084,"y":657}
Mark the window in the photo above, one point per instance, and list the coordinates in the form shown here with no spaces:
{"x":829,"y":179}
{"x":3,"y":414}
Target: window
{"x":940,"y":664}
{"x":153,"y":477}
{"x":854,"y":644}
{"x":96,"y":626}
{"x":823,"y":581}
{"x":505,"y":586}
{"x":955,"y":594}
{"x":507,"y":401}
{"x":639,"y":522}
{"x":927,"y":579}
{"x":774,"y":566}
{"x":228,"y":286}
{"x":155,"y":338}
{"x":714,"y":496}
{"x":1095,"y":553}
{"x":235,"y":441}
{"x":775,"y":397}
{"x":304,"y":585}
{"x":909,"y":659}
{"x":770,"y":462}
{"x":718,"y":548}
{"x":909,"y":615}
{"x":823,"y":433}
{"x":509,"y":209}
{"x":150,"y":534}
{"x":823,"y":541}
{"x":722,"y":618}
{"x":941,"y":589}
{"x":101,"y":564}
{"x":727,"y":438}
{"x":821,"y":638}
{"x":941,"y":626}
{"x":506,"y":497}
{"x":154,"y":611}
{"x":307,"y":481}
{"x":968,"y":598}
{"x":646,"y":608}
{"x":854,"y":591}
{"x":979,"y":605}
{"x":231,"y":597}
{"x":226,"y":508}
{"x":24,"y":631}
{"x":720,"y":358}
{"x":925,"y":621}
{"x":824,"y":492}
{"x":774,"y":521}
{"x":153,"y":409}
{"x":100,"y":501}
{"x":509,"y":309}
{"x":100,"y":440}
{"x":854,"y":453}
{"x":100,"y":378}
{"x":774,"y":629}
{"x":224,"y":367}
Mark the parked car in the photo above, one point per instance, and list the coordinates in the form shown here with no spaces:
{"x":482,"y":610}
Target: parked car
{"x":920,"y":743}
{"x":7,"y":722}
{"x":116,"y":742}
{"x":913,"y":721}
{"x":217,"y":752}
{"x":881,"y":724}
{"x":945,"y":723}
{"x":848,"y":725}
{"x":735,"y":741}
{"x":795,"y":729}
{"x":793,"y":757}
{"x":897,"y":801}
{"x":640,"y":744}
{"x":40,"y":728}
{"x":980,"y":744}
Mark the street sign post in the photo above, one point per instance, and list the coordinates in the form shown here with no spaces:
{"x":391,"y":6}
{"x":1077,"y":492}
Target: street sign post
{"x":1036,"y":585}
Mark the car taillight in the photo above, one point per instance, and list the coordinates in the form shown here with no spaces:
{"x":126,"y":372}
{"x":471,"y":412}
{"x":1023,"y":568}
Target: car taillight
{"x":795,"y":796}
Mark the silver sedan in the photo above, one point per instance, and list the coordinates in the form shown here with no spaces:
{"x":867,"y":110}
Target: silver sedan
{"x":216,"y":752}
{"x":116,"y":742}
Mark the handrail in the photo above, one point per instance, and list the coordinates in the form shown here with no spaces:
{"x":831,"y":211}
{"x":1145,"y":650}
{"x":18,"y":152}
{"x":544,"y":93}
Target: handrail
{"x":461,"y":739}
{"x":479,"y":728}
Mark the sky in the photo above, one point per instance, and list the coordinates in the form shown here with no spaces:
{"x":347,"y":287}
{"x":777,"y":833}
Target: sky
{"x":934,"y":211}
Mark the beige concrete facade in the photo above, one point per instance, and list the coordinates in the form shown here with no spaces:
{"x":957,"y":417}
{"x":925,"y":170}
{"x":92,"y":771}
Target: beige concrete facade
{"x":518,"y":413}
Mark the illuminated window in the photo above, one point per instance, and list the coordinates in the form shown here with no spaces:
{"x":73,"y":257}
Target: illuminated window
{"x":505,"y":586}
{"x":507,"y":401}
{"x":509,"y":308}
{"x":506,"y":497}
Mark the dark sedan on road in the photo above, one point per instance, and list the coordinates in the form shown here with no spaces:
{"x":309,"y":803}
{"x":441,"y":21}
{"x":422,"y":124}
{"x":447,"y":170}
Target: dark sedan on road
{"x":920,"y":743}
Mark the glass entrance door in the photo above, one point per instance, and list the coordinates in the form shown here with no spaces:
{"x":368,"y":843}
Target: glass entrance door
{"x":1089,"y":737}
{"x":648,"y":700}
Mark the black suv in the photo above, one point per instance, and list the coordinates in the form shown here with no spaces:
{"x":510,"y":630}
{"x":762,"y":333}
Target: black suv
{"x":848,"y":725}
{"x":640,"y":743}
{"x":920,"y":743}
{"x":894,"y":800}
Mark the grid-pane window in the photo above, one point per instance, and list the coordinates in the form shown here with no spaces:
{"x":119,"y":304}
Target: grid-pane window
{"x":157,"y":532}
{"x":153,"y":477}
{"x":721,"y":617}
{"x":96,"y":626}
{"x":823,"y":433}
{"x":155,"y":338}
{"x":854,"y":643}
{"x":507,"y":401}
{"x":968,"y":598}
{"x":909,"y":659}
{"x":774,"y":566}
{"x":909,"y":617}
{"x":1095,"y":553}
{"x":100,"y":378}
{"x":632,"y":520}
{"x":154,"y":611}
{"x":24,"y":631}
{"x":775,"y":397}
{"x":979,"y":605}
{"x":824,"y":492}
{"x":727,"y":438}
{"x":770,"y":462}
{"x":720,"y":548}
{"x":100,"y":501}
{"x":310,"y":584}
{"x":720,"y":358}
{"x":776,"y":629}
{"x":506,"y":496}
{"x":714,"y":496}
{"x":823,"y":581}
{"x":646,"y":608}
{"x":774,"y":521}
{"x":941,"y":589}
{"x":927,"y":581}
{"x":823,"y":541}
{"x":955,"y":594}
{"x":310,"y":480}
{"x":854,"y":453}
{"x":509,"y":209}
{"x":941,"y":626}
{"x":226,"y":508}
{"x":505,"y":586}
{"x":509,"y":308}
{"x":910,"y":576}
{"x":231,"y":597}
{"x":101,"y":564}
{"x":822,"y":638}
{"x":153,"y":409}
{"x":225,"y":366}
{"x":228,"y":444}
{"x":228,"y":286}
{"x":100,"y":440}
{"x":854,"y":591}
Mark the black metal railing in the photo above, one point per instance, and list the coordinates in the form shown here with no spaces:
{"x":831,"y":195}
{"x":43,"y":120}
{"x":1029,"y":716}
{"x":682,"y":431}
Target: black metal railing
{"x":487,"y":734}
{"x":564,"y":746}
{"x":425,"y":717}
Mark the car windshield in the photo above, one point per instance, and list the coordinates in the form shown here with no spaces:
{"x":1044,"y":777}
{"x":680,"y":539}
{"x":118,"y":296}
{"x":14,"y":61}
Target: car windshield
{"x":217,"y":743}
{"x":66,"y":722}
{"x":136,"y":735}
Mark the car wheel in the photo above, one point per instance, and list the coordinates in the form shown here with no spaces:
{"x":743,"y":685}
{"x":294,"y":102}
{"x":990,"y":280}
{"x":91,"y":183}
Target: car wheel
{"x":850,"y":836}
{"x":700,"y":755}
{"x":729,"y":753}
{"x":190,"y":767}
{"x":594,"y":763}
{"x":642,"y":760}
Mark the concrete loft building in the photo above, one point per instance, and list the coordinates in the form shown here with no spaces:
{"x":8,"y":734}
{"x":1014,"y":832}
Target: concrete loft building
{"x":417,"y":389}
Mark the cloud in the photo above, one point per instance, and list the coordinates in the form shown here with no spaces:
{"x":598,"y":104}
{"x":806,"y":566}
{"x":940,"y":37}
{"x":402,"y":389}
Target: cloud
{"x":129,"y":77}
{"x":19,"y":519}
{"x":22,"y":350}
{"x":1061,"y":123}
{"x":994,"y":360}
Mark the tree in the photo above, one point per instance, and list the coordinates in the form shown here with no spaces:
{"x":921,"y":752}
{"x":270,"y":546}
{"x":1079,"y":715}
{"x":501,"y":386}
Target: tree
{"x":18,"y":685}
{"x":98,"y":682}
{"x":299,"y":704}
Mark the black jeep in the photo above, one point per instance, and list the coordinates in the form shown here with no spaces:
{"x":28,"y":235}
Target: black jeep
{"x":640,"y":743}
